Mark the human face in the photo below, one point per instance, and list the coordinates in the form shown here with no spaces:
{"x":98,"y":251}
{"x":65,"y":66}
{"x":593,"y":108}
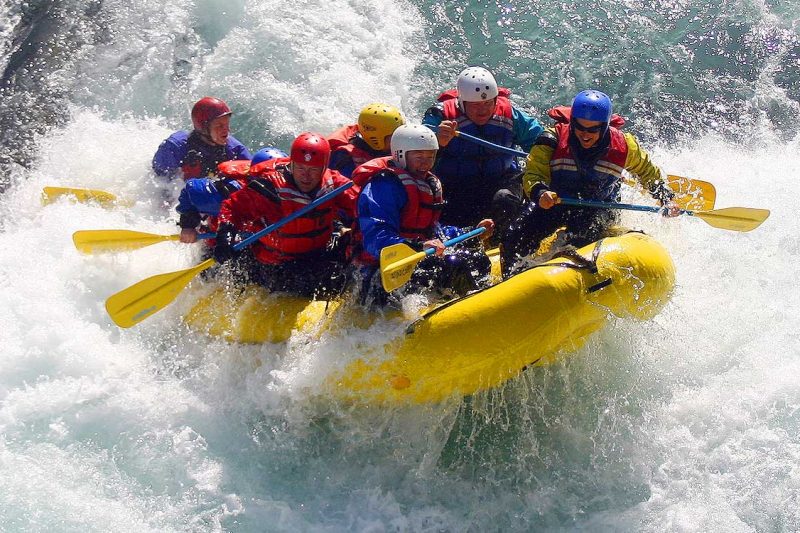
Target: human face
{"x":219,"y":129}
{"x":420,"y":162}
{"x":387,"y":142}
{"x":588,"y":132}
{"x":480,"y":112}
{"x":306,"y":177}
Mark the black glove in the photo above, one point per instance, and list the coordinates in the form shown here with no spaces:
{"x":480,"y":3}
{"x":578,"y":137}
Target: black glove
{"x":662,"y":192}
{"x":537,"y":190}
{"x":415,"y":244}
{"x":338,"y":244}
{"x":190,"y":219}
{"x":333,"y":242}
{"x":223,"y":250}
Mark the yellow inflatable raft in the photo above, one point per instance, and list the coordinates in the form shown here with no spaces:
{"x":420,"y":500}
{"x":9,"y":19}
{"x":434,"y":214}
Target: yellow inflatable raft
{"x":476,"y":342}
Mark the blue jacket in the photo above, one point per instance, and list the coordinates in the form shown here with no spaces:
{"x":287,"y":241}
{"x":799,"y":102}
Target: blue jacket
{"x":343,"y":162}
{"x":203,"y":196}
{"x":172,"y":154}
{"x":379,"y":207}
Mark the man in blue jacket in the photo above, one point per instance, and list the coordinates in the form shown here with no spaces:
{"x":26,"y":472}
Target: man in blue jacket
{"x":197,"y":154}
{"x":401,"y":202}
{"x":480,"y":182}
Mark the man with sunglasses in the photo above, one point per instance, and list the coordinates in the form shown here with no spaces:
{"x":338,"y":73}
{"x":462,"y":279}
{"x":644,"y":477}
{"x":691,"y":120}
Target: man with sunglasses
{"x":582,"y":156}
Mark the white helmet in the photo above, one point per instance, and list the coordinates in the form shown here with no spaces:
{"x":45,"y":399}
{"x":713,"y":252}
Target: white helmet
{"x":411,"y":137}
{"x":475,"y":84}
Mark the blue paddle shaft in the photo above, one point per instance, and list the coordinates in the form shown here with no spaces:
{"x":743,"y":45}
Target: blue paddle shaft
{"x":491,"y":145}
{"x":609,"y":205}
{"x":456,"y":240}
{"x":487,"y":144}
{"x":310,"y":207}
{"x":565,"y":201}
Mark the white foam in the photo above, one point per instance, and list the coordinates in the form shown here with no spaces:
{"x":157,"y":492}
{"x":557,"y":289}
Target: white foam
{"x":687,"y":422}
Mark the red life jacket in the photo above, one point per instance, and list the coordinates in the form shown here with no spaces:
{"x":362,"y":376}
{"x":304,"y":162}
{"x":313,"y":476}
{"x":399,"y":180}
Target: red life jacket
{"x":342,"y":136}
{"x":424,"y":205}
{"x":604,"y":182}
{"x":238,"y":169}
{"x":502,"y":117}
{"x":304,"y":235}
{"x":363,"y":173}
{"x":563,"y":113}
{"x":211,"y":224}
{"x":265,"y":166}
{"x":451,"y":94}
{"x":342,"y":140}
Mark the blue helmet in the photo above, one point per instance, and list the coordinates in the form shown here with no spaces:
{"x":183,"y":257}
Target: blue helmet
{"x":592,"y":105}
{"x":265,"y":154}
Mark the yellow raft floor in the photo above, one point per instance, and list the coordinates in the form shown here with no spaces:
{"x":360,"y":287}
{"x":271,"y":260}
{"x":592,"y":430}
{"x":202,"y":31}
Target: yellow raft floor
{"x":472,"y":343}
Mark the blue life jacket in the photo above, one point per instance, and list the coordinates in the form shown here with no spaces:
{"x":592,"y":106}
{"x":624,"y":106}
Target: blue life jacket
{"x":464,"y":161}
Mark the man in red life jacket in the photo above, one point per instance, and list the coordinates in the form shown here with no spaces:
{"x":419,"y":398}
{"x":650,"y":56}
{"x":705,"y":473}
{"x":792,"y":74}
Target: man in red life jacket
{"x":197,"y":154}
{"x":401,"y":202}
{"x":295,"y":258}
{"x":369,"y":138}
{"x":480,"y":182}
{"x":582,"y":156}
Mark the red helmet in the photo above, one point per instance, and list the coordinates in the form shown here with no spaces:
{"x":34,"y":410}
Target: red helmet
{"x":311,"y":149}
{"x":207,"y":109}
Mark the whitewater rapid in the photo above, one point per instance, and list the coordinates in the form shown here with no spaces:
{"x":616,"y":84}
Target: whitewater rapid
{"x":157,"y":427}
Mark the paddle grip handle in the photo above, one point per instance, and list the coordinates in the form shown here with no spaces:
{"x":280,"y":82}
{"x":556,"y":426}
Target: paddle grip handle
{"x":297,"y":214}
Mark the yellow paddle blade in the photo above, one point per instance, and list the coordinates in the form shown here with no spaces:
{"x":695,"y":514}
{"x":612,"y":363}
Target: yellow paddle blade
{"x":130,"y":306}
{"x":397,"y":265}
{"x":692,"y":194}
{"x":115,"y":240}
{"x":51,"y":194}
{"x":734,"y":218}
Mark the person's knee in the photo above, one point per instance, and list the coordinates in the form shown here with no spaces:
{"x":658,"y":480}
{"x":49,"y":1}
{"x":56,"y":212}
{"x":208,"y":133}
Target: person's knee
{"x":506,"y":198}
{"x":506,"y":204}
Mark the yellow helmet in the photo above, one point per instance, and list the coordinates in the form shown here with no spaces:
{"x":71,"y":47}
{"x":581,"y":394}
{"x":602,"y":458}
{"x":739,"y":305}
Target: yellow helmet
{"x":378,"y":121}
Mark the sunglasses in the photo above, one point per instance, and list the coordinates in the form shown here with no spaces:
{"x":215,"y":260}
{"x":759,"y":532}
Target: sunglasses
{"x":593,"y":129}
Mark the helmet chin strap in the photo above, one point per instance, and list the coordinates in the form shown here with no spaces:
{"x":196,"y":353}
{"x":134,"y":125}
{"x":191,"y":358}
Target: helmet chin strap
{"x":206,"y":137}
